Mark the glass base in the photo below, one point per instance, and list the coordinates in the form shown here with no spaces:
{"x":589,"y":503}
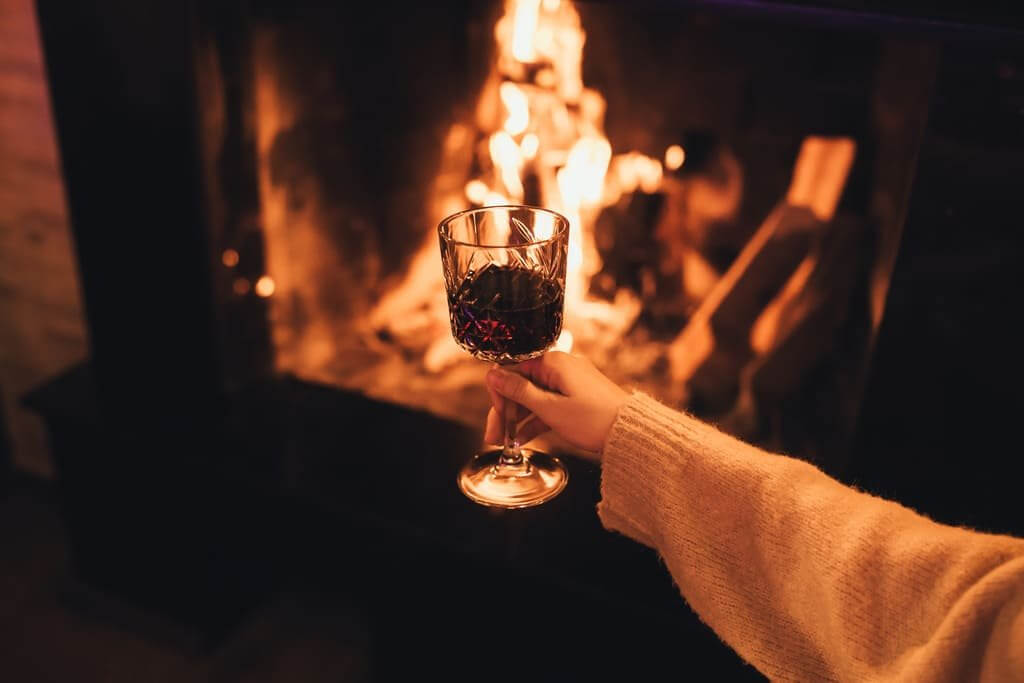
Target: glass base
{"x":541,"y":477}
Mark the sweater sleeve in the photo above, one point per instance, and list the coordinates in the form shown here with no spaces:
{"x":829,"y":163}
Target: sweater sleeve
{"x":805,"y":578}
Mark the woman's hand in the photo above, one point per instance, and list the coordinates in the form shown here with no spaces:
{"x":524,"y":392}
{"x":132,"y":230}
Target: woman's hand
{"x":564,"y":393}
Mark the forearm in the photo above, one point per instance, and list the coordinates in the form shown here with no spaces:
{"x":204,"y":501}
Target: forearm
{"x":804,"y":577}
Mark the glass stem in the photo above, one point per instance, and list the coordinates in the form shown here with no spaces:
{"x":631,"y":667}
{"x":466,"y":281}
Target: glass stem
{"x":511,"y":455}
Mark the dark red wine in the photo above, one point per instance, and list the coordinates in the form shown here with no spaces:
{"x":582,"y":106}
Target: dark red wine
{"x":506,"y":314}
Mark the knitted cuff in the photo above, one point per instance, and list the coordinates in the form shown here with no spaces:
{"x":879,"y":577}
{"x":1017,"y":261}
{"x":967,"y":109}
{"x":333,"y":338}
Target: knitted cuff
{"x":644,"y":457}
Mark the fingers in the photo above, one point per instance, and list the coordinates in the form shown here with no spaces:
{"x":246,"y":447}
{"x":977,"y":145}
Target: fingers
{"x":497,"y":400}
{"x":494,"y":432}
{"x":549,"y":370}
{"x":519,"y":389}
{"x":531,"y":429}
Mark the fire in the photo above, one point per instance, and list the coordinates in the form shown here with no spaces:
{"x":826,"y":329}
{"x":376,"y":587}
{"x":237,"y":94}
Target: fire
{"x":551,"y":132}
{"x":582,"y":178}
{"x":535,"y":137}
{"x":529,"y":146}
{"x":675,"y":156}
{"x":517,"y":105}
{"x":265,"y":286}
{"x":539,"y":139}
{"x":525,"y":30}
{"x":476,"y":191}
{"x":544,"y":226}
{"x":507,"y":159}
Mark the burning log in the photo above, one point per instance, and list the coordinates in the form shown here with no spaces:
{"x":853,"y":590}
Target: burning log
{"x":796,"y":328}
{"x":705,"y":360}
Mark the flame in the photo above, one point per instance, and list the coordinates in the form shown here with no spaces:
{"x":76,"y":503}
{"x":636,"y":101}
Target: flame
{"x":544,"y":143}
{"x":553,"y":131}
{"x":675,"y":155}
{"x":529,"y":146}
{"x":476,"y":191}
{"x":582,"y":178}
{"x":517,"y":107}
{"x":264,"y":286}
{"x":507,"y":159}
{"x":543,"y":226}
{"x":525,"y":30}
{"x":638,"y":171}
{"x":535,"y":136}
{"x":495,"y":199}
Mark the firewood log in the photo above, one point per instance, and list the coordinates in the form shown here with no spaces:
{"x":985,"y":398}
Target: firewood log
{"x":705,"y":360}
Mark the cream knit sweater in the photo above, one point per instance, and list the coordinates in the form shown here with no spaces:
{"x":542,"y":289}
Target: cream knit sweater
{"x":805,"y":578}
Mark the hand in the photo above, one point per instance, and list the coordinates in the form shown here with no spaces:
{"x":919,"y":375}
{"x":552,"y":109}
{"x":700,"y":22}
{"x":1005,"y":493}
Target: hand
{"x":564,"y":393}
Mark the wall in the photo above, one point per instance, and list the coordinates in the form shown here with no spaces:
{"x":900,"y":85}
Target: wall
{"x":41,"y":320}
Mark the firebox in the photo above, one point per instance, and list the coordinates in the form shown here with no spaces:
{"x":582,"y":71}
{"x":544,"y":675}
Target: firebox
{"x":790,"y":219}
{"x":727,"y":251}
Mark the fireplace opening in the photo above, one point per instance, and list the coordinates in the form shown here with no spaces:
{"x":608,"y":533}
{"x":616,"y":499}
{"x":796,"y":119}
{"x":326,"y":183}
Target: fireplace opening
{"x":729,"y":248}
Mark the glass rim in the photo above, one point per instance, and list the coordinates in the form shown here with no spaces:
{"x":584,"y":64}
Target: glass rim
{"x":561,"y":226}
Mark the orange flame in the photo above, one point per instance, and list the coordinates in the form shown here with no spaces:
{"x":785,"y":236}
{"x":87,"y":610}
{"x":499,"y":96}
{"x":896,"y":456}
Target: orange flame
{"x":525,"y":30}
{"x":517,"y":107}
{"x":476,"y":191}
{"x":529,"y":146}
{"x":265,"y":286}
{"x":675,"y":155}
{"x":551,"y":129}
{"x":507,"y":159}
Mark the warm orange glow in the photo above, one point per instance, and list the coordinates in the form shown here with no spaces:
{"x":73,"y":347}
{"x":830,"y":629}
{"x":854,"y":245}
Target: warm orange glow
{"x":264,"y":286}
{"x":240,"y":286}
{"x":476,"y":191}
{"x":584,"y":171}
{"x":675,"y":156}
{"x":564,"y":342}
{"x":525,"y":29}
{"x":563,"y":145}
{"x":543,"y":226}
{"x":543,"y":142}
{"x":442,"y":353}
{"x":636,"y":171}
{"x":496,"y":199}
{"x":818,"y":183}
{"x":299,"y":256}
{"x":229,"y":258}
{"x":517,"y":107}
{"x":545,"y":78}
{"x":650,"y":176}
{"x":529,"y":146}
{"x":507,"y":159}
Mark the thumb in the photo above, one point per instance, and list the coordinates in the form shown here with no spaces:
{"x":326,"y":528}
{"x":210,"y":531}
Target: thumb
{"x":518,"y":389}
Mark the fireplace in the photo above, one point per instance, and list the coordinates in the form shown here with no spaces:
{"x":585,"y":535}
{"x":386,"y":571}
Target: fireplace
{"x":254,"y":188}
{"x":725,"y":246}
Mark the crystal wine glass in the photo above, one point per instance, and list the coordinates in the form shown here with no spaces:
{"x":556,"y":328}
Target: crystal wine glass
{"x":504,"y":269}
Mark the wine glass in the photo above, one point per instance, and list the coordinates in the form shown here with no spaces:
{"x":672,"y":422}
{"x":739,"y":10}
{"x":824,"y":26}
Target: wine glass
{"x":504,"y":269}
